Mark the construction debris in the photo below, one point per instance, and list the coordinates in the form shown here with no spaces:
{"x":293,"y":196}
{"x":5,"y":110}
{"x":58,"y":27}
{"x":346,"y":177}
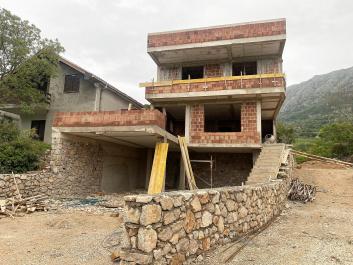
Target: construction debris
{"x":15,"y":206}
{"x":300,"y":191}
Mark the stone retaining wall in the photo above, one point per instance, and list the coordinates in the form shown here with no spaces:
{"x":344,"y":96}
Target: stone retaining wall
{"x":170,"y":227}
{"x":29,"y":184}
{"x":76,"y":170}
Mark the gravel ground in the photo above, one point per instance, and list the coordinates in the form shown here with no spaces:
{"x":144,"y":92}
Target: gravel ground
{"x":73,"y":231}
{"x":315,"y":233}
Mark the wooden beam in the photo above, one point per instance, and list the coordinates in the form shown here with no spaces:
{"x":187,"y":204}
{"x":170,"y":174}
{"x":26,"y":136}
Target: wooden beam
{"x":157,"y":178}
{"x":210,"y":79}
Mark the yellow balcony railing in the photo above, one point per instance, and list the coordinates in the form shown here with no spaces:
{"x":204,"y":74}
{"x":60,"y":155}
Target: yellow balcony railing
{"x":211,"y":79}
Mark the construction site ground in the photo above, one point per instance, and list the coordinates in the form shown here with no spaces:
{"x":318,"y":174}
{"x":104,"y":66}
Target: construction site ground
{"x":314,"y":233}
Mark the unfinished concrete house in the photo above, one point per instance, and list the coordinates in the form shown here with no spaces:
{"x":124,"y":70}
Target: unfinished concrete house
{"x":219,"y":87}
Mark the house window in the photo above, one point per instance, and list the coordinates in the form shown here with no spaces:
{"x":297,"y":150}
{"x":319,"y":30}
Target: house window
{"x":222,"y":117}
{"x":72,"y":84}
{"x":39,"y":126}
{"x":192,"y":72}
{"x":246,"y":68}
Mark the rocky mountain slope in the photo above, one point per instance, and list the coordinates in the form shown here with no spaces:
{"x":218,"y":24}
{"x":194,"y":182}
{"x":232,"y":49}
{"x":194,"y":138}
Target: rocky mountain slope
{"x":321,"y":100}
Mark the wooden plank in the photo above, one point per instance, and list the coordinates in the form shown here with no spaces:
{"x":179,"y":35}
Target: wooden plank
{"x":187,"y":170}
{"x":157,"y":177}
{"x":210,"y":79}
{"x":322,"y":158}
{"x":187,"y":164}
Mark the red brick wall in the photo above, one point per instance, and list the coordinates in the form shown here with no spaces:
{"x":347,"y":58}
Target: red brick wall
{"x":109,"y":118}
{"x":218,"y":85}
{"x":213,"y":70}
{"x":216,"y":34}
{"x":248,"y":134}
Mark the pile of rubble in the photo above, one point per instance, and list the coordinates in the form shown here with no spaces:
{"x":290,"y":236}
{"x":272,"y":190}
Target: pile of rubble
{"x":300,"y":191}
{"x":16,"y":206}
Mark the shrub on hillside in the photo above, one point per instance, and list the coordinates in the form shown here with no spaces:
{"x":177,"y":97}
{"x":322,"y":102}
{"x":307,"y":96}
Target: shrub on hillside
{"x":285,"y":133}
{"x":335,"y":140}
{"x":19,"y":151}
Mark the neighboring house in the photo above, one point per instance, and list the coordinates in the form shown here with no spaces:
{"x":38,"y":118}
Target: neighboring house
{"x":221,"y":87}
{"x":73,"y":89}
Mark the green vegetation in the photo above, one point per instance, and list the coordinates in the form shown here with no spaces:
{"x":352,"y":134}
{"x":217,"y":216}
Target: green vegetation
{"x":285,"y":133}
{"x":27,"y":61}
{"x":19,"y":151}
{"x":333,"y":140}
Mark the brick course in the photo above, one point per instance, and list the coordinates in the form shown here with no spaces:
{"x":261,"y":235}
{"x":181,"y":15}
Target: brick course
{"x":217,"y":34}
{"x":213,"y":70}
{"x":248,"y":134}
{"x":109,"y":118}
{"x":218,"y":85}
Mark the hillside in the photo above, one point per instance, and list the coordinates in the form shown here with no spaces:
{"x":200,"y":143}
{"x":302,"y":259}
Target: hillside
{"x":320,"y":100}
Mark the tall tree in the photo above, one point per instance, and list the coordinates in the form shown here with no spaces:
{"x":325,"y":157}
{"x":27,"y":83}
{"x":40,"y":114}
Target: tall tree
{"x":27,"y":61}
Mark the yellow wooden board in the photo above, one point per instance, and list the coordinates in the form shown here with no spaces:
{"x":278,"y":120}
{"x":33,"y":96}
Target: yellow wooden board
{"x":209,"y":79}
{"x":156,"y":184}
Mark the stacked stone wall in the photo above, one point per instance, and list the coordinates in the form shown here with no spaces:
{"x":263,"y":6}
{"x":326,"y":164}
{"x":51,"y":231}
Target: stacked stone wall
{"x":77,"y":165}
{"x":76,"y":170}
{"x":169,"y":228}
{"x":29,"y":184}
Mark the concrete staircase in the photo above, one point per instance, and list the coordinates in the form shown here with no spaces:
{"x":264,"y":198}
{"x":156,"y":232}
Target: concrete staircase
{"x":268,"y":163}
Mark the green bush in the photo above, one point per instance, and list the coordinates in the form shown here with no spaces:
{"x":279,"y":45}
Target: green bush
{"x":19,"y":152}
{"x":301,"y":159}
{"x":335,"y":140}
{"x":285,"y":133}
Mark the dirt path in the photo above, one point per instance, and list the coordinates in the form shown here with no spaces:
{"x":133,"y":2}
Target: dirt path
{"x":316,"y":233}
{"x":56,"y":239}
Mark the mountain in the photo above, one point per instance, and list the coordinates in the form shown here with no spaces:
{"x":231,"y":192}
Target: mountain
{"x":321,"y":100}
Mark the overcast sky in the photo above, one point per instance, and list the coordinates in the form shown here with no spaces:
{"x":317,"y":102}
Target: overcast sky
{"x":109,"y":37}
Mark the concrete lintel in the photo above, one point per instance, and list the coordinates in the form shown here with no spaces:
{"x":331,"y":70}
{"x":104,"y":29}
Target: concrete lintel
{"x":258,"y":117}
{"x":214,"y":94}
{"x":224,"y":147}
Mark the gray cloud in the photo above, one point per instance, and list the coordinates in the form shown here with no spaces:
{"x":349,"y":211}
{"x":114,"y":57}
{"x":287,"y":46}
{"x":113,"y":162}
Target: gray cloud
{"x":109,"y":37}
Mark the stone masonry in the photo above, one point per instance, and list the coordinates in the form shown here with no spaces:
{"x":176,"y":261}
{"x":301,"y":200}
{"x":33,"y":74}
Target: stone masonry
{"x":77,"y":165}
{"x":76,"y":170}
{"x":170,"y":227}
{"x":29,"y":184}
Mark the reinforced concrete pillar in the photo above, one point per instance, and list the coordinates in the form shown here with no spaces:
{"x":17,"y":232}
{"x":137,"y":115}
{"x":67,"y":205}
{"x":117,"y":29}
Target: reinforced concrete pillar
{"x":258,"y":118}
{"x":187,"y":122}
{"x":148,"y":166}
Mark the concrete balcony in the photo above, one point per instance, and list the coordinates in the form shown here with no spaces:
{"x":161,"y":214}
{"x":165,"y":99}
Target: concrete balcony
{"x":135,"y":128}
{"x":216,"y":87}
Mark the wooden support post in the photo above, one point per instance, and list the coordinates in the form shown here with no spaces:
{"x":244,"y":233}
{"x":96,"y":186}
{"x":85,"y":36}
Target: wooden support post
{"x":157,"y":179}
{"x":181,"y":185}
{"x":187,"y":164}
